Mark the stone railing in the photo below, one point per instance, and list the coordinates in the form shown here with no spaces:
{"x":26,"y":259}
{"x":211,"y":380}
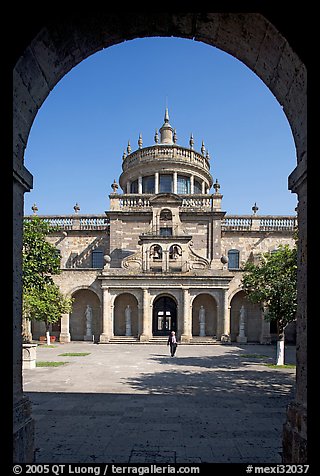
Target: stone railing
{"x":196,"y":201}
{"x":258,"y":223}
{"x":165,"y":152}
{"x":135,"y":202}
{"x":75,"y":222}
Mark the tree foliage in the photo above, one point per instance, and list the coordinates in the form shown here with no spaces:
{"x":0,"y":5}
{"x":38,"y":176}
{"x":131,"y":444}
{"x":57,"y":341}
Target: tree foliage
{"x":273,"y":283}
{"x":40,"y":258}
{"x":42,"y":299}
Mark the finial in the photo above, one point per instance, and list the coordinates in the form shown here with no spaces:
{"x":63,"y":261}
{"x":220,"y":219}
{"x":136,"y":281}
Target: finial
{"x":216,"y":186}
{"x":166,"y":116}
{"x":34,"y":208}
{"x":203,"y":149}
{"x":207,"y":155}
{"x":140,"y":141}
{"x":175,"y":138}
{"x":156,"y":137}
{"x":124,"y":155}
{"x":76,"y":208}
{"x":191,"y":141}
{"x":114,"y":186}
{"x":255,"y":208}
{"x":129,"y":147}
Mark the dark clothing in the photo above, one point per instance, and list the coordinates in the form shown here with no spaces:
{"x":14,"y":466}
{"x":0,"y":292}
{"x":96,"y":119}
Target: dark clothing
{"x":172,"y":341}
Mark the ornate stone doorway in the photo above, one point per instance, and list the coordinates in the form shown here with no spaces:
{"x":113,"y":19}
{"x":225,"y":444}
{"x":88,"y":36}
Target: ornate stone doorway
{"x":164,"y":316}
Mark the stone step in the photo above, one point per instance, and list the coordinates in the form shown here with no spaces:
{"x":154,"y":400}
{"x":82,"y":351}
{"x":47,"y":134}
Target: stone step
{"x":162,"y":340}
{"x":124,"y":340}
{"x":203,"y":341}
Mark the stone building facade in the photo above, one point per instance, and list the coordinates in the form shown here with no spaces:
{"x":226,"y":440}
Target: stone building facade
{"x":163,"y":251}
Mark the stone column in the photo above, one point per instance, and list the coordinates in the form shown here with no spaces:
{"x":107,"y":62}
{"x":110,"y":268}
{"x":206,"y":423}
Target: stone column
{"x":187,"y":317}
{"x":192,"y":184}
{"x":106,"y":317}
{"x":175,"y":182}
{"x":65,"y":331}
{"x":156,"y":182}
{"x":146,"y":331}
{"x":140,"y":184}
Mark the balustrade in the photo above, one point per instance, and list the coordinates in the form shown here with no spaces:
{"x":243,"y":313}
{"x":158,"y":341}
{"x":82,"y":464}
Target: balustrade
{"x":166,"y":153}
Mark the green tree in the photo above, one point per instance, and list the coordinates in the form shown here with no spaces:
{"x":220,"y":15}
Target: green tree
{"x":273,"y":283}
{"x":42,"y":299}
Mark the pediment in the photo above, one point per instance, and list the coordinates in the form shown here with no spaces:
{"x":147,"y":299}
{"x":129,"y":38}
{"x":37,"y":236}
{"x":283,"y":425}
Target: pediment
{"x":167,"y":199}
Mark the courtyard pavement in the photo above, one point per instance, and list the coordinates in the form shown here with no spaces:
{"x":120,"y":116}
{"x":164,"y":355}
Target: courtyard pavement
{"x":133,"y":403}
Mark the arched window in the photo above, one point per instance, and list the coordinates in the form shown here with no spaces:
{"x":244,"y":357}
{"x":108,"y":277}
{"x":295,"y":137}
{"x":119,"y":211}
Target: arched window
{"x":233,"y":259}
{"x":156,"y":252}
{"x":166,"y":215}
{"x":175,"y":251}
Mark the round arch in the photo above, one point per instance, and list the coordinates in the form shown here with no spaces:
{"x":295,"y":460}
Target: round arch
{"x":79,"y":328}
{"x":204,"y":315}
{"x":54,"y":49}
{"x":125,"y":315}
{"x":164,"y":315}
{"x":253,"y":318}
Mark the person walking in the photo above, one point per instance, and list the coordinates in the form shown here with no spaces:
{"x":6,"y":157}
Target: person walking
{"x":172,"y":341}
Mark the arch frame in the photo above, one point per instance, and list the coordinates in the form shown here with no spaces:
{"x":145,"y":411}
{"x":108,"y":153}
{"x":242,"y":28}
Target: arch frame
{"x":252,"y":38}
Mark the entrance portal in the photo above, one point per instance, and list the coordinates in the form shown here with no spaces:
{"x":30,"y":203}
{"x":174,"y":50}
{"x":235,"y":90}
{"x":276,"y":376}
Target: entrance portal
{"x":164,"y":316}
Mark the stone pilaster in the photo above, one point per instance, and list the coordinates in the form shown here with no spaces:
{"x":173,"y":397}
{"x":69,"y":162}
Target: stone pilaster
{"x":23,"y":423}
{"x":106,"y":317}
{"x":146,"y":331}
{"x":294,"y":442}
{"x":187,"y":317}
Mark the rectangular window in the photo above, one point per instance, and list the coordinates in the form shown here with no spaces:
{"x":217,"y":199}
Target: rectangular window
{"x":97,"y":259}
{"x":183,"y":184}
{"x":233,"y":259}
{"x":165,"y":183}
{"x":197,"y":187}
{"x":134,"y":187}
{"x":166,"y":231}
{"x":148,"y":184}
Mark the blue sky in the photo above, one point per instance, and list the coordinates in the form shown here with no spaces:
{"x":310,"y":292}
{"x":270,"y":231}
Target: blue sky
{"x":78,"y":137}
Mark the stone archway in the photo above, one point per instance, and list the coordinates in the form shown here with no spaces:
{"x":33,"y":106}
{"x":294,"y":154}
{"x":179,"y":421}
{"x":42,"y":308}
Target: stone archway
{"x":47,"y":53}
{"x":253,"y":318}
{"x":121,"y":303}
{"x":77,"y":319}
{"x":209,"y":306}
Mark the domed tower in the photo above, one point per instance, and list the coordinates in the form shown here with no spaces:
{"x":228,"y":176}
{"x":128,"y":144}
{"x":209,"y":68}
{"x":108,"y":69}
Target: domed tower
{"x":166,"y":218}
{"x":166,"y":167}
{"x":165,"y":240}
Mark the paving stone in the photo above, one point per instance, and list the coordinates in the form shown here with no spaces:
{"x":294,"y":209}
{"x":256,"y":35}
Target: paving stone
{"x":191,"y":410}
